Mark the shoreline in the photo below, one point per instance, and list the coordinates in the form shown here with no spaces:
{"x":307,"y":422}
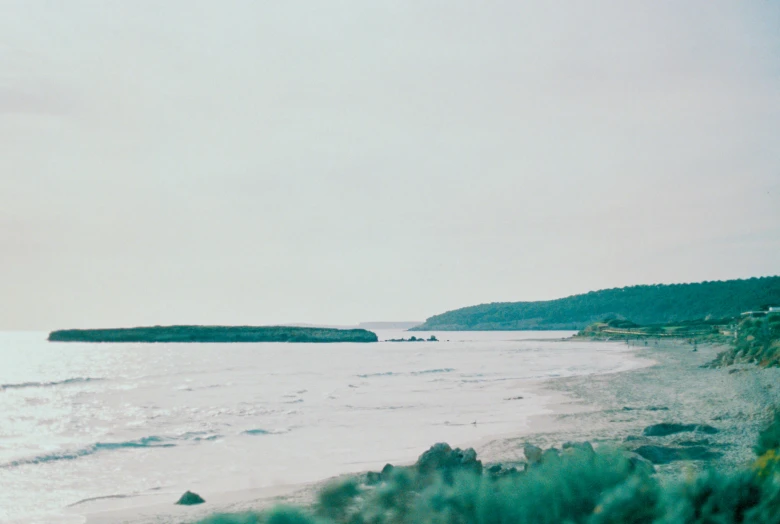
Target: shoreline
{"x":158,"y":507}
{"x":668,"y":386}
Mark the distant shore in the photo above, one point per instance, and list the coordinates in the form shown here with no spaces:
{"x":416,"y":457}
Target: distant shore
{"x":207,"y":334}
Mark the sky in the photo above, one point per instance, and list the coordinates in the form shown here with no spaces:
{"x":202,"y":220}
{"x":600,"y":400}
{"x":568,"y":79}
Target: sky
{"x":258,"y":162}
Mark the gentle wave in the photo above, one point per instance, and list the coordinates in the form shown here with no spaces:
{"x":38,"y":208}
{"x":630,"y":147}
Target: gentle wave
{"x":145,"y":442}
{"x":412,"y":373}
{"x":76,"y":380}
{"x":255,"y":432}
{"x":379,"y":408}
{"x":278,"y":431}
{"x":199,"y":435}
{"x":501,"y":379}
{"x":431,"y":371}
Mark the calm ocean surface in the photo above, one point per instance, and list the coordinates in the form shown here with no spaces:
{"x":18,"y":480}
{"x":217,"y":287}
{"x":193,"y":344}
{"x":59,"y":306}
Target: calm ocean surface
{"x":79,"y":421}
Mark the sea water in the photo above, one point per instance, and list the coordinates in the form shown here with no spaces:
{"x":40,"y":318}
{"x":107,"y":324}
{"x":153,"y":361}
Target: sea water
{"x":84,"y":421}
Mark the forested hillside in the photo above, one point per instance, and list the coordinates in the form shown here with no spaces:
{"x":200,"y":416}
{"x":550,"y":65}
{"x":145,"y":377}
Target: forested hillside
{"x":652,"y":304}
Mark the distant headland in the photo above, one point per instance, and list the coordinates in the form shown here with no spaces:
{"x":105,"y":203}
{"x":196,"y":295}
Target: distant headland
{"x":214,"y":334}
{"x":646,"y":305}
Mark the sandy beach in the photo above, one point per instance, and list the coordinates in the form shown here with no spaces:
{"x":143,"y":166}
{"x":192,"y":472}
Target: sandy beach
{"x":610,"y":408}
{"x":604,"y":409}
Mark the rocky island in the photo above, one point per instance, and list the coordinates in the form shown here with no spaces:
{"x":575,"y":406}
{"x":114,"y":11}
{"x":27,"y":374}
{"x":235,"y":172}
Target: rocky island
{"x":214,"y":334}
{"x":414,"y":339}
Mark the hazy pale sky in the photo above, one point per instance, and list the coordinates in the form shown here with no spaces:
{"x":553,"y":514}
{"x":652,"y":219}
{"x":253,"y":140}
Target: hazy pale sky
{"x":334,"y":162}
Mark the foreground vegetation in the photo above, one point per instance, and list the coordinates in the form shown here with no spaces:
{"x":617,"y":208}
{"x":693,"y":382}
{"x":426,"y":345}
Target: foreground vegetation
{"x":655,"y":304}
{"x":214,"y":334}
{"x":575,"y":485}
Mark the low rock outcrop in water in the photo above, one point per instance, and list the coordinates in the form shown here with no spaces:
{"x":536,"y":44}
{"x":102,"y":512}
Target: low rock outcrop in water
{"x":214,"y":334}
{"x":190,"y":499}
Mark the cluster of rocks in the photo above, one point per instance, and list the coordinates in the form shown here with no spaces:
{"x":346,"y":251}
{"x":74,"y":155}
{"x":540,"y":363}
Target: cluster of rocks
{"x":442,"y":461}
{"x":439,"y":460}
{"x":666,"y":428}
{"x":663,"y":443}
